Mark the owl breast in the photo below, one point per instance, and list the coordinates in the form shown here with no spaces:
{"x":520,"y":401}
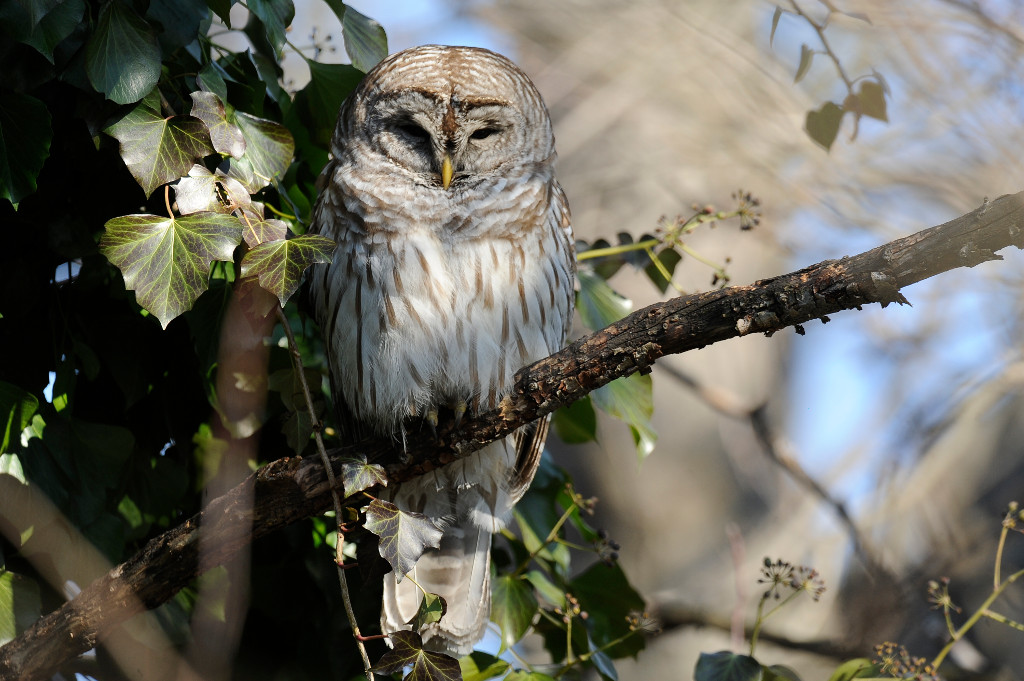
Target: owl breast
{"x":448,"y":297}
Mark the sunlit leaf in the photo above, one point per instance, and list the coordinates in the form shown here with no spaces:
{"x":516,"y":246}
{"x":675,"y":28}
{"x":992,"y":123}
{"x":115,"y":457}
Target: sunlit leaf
{"x":24,"y":144}
{"x":122,"y":57}
{"x":198,"y":192}
{"x":432,"y":609}
{"x":279,"y":264}
{"x":157,"y":149}
{"x":479,"y":666}
{"x":166,"y":261}
{"x":226,"y":137}
{"x":823,"y":124}
{"x":269,"y":147}
{"x":806,"y":58}
{"x":546,"y":588}
{"x":276,"y":16}
{"x":404,"y":536}
{"x":726,"y":666}
{"x":20,"y":605}
{"x":425,"y":665}
{"x":668,"y":258}
{"x":357,"y":475}
{"x":513,"y":607}
{"x":630,"y":399}
{"x":576,"y":423}
{"x":598,"y":304}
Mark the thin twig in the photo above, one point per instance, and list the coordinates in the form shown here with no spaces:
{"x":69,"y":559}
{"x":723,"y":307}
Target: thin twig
{"x":339,"y":557}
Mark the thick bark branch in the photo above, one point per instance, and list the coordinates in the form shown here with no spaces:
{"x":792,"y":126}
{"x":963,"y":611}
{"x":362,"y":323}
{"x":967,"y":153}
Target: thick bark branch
{"x":288,"y":490}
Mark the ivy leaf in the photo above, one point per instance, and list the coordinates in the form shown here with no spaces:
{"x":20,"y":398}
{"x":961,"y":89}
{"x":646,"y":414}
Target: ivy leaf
{"x":669,"y":258}
{"x":869,"y":101}
{"x":16,"y":409}
{"x":365,"y":39}
{"x":179,"y":21}
{"x":602,"y":663}
{"x":258,"y":232}
{"x":605,"y":593}
{"x":404,"y":535}
{"x":211,"y":79}
{"x":318,"y":103}
{"x":122,"y":57}
{"x":513,"y":606}
{"x":775,"y":24}
{"x":426,"y":665}
{"x":157,"y":149}
{"x":226,"y":137}
{"x":631,"y":399}
{"x":726,"y":666}
{"x":279,"y":264}
{"x":42,"y":31}
{"x":779,"y":672}
{"x":598,"y":304}
{"x":432,"y":608}
{"x":198,"y":192}
{"x":546,"y":588}
{"x":522,"y":675}
{"x":20,"y":605}
{"x":25,"y":136}
{"x":269,"y":147}
{"x":576,"y":423}
{"x":276,"y":16}
{"x":357,"y":475}
{"x":166,"y":261}
{"x":823,"y":124}
{"x":479,"y":666}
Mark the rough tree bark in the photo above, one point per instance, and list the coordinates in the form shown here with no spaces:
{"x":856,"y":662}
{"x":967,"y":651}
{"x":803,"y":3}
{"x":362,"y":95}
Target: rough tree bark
{"x":290,"y":489}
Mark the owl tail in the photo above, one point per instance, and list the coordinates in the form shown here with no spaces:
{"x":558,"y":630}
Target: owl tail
{"x":458,"y":571}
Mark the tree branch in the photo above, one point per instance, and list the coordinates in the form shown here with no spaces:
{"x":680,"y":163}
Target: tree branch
{"x":290,"y":489}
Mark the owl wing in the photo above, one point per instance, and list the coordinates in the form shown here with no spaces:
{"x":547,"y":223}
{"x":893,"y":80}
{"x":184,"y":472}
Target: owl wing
{"x":529,"y":440}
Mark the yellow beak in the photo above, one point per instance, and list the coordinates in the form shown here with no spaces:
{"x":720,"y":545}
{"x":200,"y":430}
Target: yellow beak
{"x":446,"y":171}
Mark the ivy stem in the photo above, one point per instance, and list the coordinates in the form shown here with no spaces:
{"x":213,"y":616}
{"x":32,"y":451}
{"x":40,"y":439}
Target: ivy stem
{"x":552,"y":536}
{"x":999,"y":555}
{"x":762,"y":616}
{"x":973,"y":619}
{"x":339,"y":545}
{"x":167,"y":200}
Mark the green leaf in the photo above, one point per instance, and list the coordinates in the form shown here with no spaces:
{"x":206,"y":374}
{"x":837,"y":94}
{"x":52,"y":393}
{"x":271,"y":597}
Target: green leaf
{"x":726,"y":666}
{"x":546,"y":588}
{"x":258,"y":232}
{"x":605,"y":593}
{"x":404,"y":535}
{"x":25,"y":136}
{"x":598,"y":304}
{"x":166,"y":261}
{"x":197,"y":192}
{"x":365,"y":40}
{"x":179,"y":21}
{"x":806,"y":58}
{"x":269,"y":147}
{"x":522,"y":675}
{"x":122,"y":57}
{"x":47,"y":30}
{"x":157,"y":149}
{"x":604,"y":665}
{"x":779,"y":672}
{"x":823,"y":124}
{"x":576,"y":423}
{"x":276,"y":16}
{"x":357,"y":475}
{"x":854,"y":669}
{"x":10,"y":465}
{"x":432,"y":609}
{"x":20,"y":605}
{"x":279,"y":264}
{"x":222,"y":8}
{"x":513,"y":607}
{"x":426,"y":666}
{"x":17,"y":406}
{"x":211,"y":79}
{"x":318,"y":103}
{"x":226,"y":136}
{"x":479,"y":666}
{"x":631,"y":400}
{"x":668,"y":258}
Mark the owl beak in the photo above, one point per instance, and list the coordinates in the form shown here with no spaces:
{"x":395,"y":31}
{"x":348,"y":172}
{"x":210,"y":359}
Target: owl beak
{"x":447,"y":171}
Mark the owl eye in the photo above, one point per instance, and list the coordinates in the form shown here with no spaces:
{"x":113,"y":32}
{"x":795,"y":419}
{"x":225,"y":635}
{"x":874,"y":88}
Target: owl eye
{"x":414,"y":132}
{"x":483,"y":133}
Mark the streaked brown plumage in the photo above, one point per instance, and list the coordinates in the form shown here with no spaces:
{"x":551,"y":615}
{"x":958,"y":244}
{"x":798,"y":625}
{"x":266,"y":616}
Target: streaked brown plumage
{"x":454,"y":269}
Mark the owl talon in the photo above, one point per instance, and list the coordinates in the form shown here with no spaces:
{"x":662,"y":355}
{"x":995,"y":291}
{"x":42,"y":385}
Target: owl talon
{"x":431,"y":418}
{"x":460,"y":410}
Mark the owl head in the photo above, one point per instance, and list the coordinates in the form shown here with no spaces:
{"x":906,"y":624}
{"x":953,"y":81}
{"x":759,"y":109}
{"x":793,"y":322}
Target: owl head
{"x":447,"y":117}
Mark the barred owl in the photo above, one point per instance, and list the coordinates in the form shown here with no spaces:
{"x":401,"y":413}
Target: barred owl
{"x":454,"y":268}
